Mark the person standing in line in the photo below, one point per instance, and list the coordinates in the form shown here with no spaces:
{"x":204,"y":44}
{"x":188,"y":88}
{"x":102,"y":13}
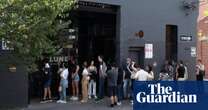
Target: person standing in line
{"x":92,"y":83}
{"x":102,"y":76}
{"x":150,"y":71}
{"x":85,"y":81}
{"x":112,"y":77}
{"x":180,"y":71}
{"x":127,"y":80}
{"x":200,"y":71}
{"x":120,"y":85}
{"x":170,"y":70}
{"x":75,"y":84}
{"x":63,"y":71}
{"x":186,"y":72}
{"x":47,"y":83}
{"x":72,"y":72}
{"x":139,"y":74}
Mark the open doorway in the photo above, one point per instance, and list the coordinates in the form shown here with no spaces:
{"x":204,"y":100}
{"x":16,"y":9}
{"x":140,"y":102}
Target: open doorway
{"x":96,"y":35}
{"x":137,"y":55}
{"x":171,"y":42}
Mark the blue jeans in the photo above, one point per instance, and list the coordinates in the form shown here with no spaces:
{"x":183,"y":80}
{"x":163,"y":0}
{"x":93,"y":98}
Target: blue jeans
{"x":127,"y":88}
{"x":101,"y":87}
{"x":120,"y":92}
{"x":64,"y":85}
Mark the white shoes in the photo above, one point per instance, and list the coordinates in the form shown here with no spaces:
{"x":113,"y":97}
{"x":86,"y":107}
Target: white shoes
{"x":74,"y":98}
{"x":89,"y":97}
{"x":61,"y":101}
{"x":119,"y":103}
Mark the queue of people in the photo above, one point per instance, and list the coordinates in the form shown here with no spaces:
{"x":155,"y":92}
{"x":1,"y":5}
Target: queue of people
{"x":86,"y":79}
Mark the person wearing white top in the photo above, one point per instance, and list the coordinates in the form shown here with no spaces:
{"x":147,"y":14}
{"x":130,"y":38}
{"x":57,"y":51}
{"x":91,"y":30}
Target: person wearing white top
{"x":63,"y":71}
{"x":85,"y":81}
{"x":139,"y":74}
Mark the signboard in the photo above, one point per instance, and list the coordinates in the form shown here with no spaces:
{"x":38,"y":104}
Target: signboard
{"x":185,"y":38}
{"x":56,"y":59}
{"x":4,"y":45}
{"x":193,"y":51}
{"x":148,"y":51}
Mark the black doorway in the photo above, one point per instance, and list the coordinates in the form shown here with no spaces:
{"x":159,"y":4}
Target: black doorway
{"x":171,"y":42}
{"x":137,"y":55}
{"x":96,"y":35}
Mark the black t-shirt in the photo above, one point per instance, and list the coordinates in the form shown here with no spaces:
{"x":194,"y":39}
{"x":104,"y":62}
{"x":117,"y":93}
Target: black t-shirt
{"x":127,"y":72}
{"x":47,"y":74}
{"x":181,"y":71}
{"x":120,"y":76}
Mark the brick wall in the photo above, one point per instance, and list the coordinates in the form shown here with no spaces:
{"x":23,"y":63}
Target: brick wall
{"x":202,"y":46}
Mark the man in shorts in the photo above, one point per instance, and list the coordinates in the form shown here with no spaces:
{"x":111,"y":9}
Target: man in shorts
{"x":112,"y":77}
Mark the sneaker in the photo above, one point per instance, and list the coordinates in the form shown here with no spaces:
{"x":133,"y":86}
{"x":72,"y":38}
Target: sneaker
{"x":95,"y":97}
{"x":58,"y":101}
{"x":43,"y":101}
{"x":50,"y":100}
{"x":132,"y":102}
{"x":83,"y":101}
{"x":76,"y":98}
{"x":115,"y":104}
{"x":63,"y":102}
{"x":89,"y":97}
{"x":112,"y":105}
{"x":72,"y":98}
{"x":119,"y":103}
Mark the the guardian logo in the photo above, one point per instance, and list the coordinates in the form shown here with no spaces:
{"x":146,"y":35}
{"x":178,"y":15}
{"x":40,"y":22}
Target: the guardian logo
{"x":162,"y":94}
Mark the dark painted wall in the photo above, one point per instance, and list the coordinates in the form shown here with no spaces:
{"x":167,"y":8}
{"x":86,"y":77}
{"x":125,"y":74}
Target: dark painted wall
{"x":152,"y":16}
{"x":13,"y":86}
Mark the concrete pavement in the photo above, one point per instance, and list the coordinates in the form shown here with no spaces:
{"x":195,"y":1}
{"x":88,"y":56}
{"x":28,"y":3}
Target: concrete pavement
{"x":76,"y":105}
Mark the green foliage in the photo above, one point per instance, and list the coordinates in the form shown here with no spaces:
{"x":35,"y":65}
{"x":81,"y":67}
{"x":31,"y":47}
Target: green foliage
{"x":31,"y":26}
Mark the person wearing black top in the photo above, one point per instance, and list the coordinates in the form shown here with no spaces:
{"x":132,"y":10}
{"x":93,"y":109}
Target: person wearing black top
{"x":120,"y":85}
{"x":47,"y":82}
{"x":127,"y":79}
{"x":180,"y":71}
{"x":112,"y":78}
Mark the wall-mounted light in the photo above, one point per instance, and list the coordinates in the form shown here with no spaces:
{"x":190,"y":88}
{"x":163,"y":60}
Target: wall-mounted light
{"x":12,"y":68}
{"x":139,"y":34}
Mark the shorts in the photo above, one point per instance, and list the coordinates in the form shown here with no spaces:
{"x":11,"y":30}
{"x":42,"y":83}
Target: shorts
{"x":76,"y":78}
{"x":112,"y":90}
{"x":47,"y":83}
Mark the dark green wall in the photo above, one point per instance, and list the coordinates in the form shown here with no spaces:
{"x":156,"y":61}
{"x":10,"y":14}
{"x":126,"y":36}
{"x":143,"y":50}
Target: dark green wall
{"x":13,"y":86}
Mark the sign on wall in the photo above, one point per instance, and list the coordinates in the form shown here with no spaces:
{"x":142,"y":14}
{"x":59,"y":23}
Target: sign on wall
{"x":185,"y":38}
{"x":5,"y":45}
{"x":148,"y":51}
{"x":193,"y":51}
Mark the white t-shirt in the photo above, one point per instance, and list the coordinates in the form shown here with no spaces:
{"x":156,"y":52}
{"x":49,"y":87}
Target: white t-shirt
{"x":64,"y":74}
{"x":142,"y":75}
{"x":85,"y":72}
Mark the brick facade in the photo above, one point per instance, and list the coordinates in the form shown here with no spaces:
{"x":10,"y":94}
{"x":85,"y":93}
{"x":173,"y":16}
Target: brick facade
{"x":202,"y":45}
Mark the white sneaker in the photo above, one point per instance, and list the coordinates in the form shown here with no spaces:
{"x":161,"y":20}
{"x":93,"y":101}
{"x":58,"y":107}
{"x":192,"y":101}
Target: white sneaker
{"x":132,"y":102}
{"x":89,"y":97}
{"x":63,"y":102}
{"x":72,"y":98}
{"x":95,"y":97}
{"x":59,"y":101}
{"x":119,"y":103}
{"x":76,"y":98}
